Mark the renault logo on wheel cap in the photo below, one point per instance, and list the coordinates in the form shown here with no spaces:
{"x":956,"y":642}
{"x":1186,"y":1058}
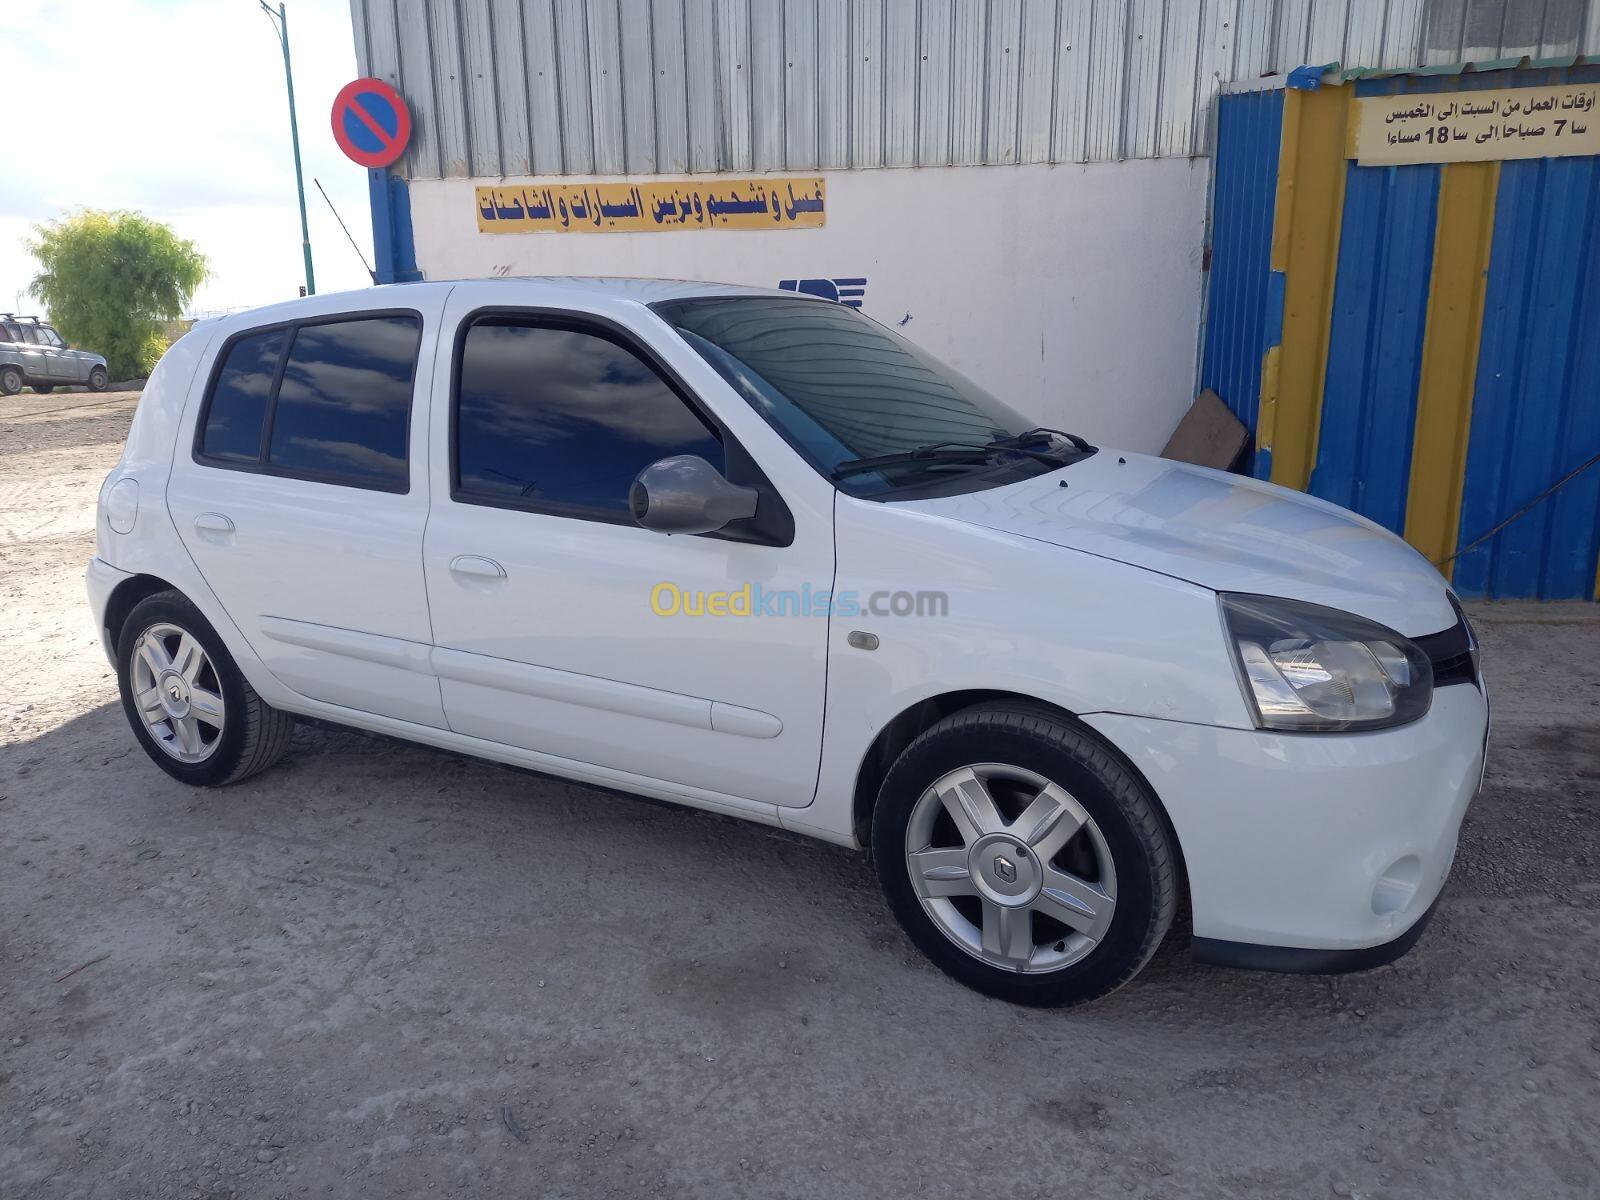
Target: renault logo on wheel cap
{"x":1005,"y":868}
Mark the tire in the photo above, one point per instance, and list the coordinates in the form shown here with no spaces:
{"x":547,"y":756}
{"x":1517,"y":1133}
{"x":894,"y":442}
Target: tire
{"x":10,"y":381}
{"x":1103,"y":876}
{"x":247,"y":735}
{"x":43,"y":389}
{"x":99,"y":380}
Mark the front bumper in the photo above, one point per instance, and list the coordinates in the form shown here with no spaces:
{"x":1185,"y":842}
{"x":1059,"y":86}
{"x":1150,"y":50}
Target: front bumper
{"x":1313,"y":842}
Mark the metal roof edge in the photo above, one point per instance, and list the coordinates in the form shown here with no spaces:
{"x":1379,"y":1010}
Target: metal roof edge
{"x":1312,"y":76}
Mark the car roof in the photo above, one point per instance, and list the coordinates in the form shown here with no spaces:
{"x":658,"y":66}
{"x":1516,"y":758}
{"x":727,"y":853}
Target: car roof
{"x":517,"y":289}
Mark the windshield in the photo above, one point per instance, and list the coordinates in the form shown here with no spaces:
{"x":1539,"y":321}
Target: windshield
{"x":841,"y":388}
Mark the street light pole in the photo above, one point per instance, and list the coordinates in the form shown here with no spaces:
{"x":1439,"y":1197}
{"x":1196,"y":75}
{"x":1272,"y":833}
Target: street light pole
{"x":282,"y":26}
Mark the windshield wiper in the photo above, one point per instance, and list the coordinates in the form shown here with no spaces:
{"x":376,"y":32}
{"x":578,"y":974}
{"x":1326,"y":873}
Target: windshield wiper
{"x":936,"y":452}
{"x":1043,"y":431}
{"x":943,"y":452}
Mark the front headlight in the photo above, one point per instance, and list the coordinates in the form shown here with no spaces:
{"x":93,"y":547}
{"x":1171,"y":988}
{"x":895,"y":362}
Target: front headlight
{"x":1308,"y":669}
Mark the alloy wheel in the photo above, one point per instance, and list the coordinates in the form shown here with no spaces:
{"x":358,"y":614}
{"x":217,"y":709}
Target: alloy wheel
{"x":1011,"y":868}
{"x":178,"y":693}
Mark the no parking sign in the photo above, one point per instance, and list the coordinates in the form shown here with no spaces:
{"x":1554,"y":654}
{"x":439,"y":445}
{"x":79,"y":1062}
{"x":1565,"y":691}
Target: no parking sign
{"x":371,"y":122}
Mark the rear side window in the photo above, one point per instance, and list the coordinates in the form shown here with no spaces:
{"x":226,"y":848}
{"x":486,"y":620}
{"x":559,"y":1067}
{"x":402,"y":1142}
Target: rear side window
{"x":561,"y":420}
{"x":237,"y":411}
{"x":344,"y":401}
{"x":328,"y":401}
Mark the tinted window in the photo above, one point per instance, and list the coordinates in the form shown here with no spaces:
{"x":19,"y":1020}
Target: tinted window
{"x":562,"y":420}
{"x":344,"y":402}
{"x":239,"y":398}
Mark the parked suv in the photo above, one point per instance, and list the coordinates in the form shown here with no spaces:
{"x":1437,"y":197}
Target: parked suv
{"x":33,"y":354}
{"x":752,"y":552}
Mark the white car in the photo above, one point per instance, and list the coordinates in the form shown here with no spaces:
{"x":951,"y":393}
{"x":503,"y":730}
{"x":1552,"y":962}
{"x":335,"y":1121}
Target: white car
{"x":751,"y":552}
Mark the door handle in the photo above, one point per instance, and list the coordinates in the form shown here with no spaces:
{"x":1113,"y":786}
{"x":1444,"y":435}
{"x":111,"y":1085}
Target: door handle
{"x":214,"y":527}
{"x":476,"y":566}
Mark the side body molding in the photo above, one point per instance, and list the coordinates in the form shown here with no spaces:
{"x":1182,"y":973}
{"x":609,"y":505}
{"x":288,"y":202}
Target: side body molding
{"x":610,"y":695}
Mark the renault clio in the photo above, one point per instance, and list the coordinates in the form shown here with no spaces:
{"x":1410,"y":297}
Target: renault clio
{"x":751,"y":552}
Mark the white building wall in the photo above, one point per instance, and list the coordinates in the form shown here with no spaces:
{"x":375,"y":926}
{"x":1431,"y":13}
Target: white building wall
{"x":1072,"y":292}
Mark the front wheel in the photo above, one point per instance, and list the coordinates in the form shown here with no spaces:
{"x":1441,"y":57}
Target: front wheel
{"x":1023,"y":858}
{"x":190,"y":706}
{"x":99,"y":380}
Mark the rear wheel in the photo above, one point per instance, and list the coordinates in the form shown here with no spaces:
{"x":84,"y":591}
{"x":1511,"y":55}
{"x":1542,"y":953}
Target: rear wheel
{"x":191,"y":708}
{"x":10,"y":381}
{"x":99,"y":380}
{"x":1023,"y":857}
{"x":44,"y":389}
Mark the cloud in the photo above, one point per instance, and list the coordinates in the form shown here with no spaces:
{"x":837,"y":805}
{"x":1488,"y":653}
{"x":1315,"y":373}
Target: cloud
{"x":176,"y":108}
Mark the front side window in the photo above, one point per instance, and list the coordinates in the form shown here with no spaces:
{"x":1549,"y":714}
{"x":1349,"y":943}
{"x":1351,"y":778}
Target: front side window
{"x":328,"y":401}
{"x":561,"y":420}
{"x":48,"y":337}
{"x":841,"y":389}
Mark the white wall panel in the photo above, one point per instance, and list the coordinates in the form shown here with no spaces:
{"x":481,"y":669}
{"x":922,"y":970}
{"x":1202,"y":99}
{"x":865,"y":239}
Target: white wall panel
{"x":1040,"y":290}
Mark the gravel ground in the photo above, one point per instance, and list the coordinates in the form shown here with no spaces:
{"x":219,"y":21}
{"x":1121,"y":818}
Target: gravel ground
{"x":379,"y":970}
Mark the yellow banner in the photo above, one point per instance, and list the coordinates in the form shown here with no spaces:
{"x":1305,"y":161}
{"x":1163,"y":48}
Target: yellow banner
{"x":650,"y":207}
{"x":1532,"y":122}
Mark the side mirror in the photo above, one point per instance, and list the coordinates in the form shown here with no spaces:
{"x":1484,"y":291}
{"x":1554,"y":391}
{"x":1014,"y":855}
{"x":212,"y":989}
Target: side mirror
{"x":686,"y":494}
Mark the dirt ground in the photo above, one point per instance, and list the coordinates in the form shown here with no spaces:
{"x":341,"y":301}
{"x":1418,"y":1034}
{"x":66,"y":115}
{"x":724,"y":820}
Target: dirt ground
{"x":380,"y":971}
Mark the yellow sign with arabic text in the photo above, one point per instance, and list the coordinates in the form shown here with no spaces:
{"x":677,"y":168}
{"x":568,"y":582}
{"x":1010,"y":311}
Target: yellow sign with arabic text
{"x":653,"y":207}
{"x":1531,"y":122}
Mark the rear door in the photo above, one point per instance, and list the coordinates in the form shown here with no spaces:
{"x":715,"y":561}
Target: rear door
{"x":303,"y":495}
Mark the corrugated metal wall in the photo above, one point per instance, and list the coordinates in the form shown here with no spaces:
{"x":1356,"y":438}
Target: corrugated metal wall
{"x":550,"y":87}
{"x":1369,"y":402}
{"x":1243,"y":186}
{"x":1536,"y":407}
{"x":1447,"y":368}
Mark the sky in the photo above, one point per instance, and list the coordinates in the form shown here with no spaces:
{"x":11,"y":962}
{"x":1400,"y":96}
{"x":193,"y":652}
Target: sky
{"x":176,"y":109}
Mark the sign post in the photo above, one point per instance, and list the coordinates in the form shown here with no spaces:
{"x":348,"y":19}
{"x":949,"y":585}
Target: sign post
{"x":372,"y":126}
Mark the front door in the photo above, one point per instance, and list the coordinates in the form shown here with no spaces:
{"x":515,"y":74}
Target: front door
{"x":553,"y":612}
{"x":303,"y":498}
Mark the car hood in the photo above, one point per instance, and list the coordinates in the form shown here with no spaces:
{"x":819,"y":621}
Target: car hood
{"x":1221,"y":531}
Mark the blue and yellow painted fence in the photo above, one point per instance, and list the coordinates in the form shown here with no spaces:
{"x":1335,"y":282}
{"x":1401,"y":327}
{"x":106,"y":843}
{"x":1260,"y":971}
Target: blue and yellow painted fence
{"x":1420,"y":342}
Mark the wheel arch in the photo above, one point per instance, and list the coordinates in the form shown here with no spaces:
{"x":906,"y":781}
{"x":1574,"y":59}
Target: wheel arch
{"x":123,"y":598}
{"x":910,"y":724}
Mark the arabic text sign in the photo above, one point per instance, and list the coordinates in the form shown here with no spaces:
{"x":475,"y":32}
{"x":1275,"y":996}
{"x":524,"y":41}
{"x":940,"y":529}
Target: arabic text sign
{"x":648,"y":207}
{"x":1533,"y":122}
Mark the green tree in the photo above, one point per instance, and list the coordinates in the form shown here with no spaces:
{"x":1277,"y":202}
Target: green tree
{"x":111,"y":280}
